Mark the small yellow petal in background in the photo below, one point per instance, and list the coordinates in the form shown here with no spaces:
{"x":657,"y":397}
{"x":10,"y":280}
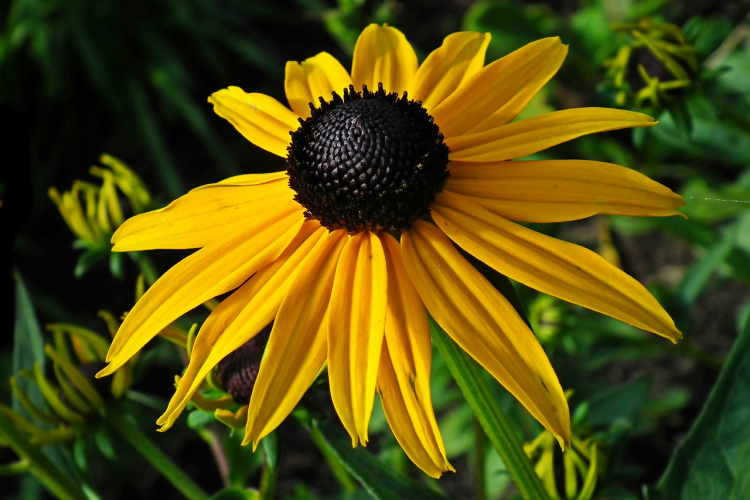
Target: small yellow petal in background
{"x":446,"y":68}
{"x":561,"y":190}
{"x":404,"y":374}
{"x":207,"y":216}
{"x":205,"y":274}
{"x":531,"y":135}
{"x":263,"y":120}
{"x":315,"y":77}
{"x":355,"y":331}
{"x":484,"y":324}
{"x":500,"y":90}
{"x":383,"y":55}
{"x":240,"y":317}
{"x":552,"y":266}
{"x":297,"y":347}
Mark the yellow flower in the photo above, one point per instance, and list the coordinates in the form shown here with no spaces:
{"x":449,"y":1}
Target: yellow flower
{"x":338,"y":250}
{"x":94,"y":220}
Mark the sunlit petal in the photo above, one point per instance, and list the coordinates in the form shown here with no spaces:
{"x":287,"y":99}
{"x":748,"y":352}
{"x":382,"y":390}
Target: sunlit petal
{"x":263,"y":120}
{"x":207,"y":216}
{"x":500,"y":90}
{"x":209,"y":272}
{"x":552,"y":266}
{"x":240,"y":317}
{"x":484,"y":324}
{"x":355,"y":331}
{"x":404,"y":374}
{"x":531,"y":135}
{"x":561,"y":190}
{"x":315,"y":77}
{"x":383,"y":55}
{"x":297,"y":347}
{"x":446,"y":68}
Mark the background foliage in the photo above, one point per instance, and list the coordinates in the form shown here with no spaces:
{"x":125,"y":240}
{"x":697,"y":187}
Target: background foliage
{"x":80,"y":78}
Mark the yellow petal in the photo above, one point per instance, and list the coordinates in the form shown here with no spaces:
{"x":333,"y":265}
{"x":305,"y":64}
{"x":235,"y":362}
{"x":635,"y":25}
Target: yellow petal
{"x":383,"y":55}
{"x":263,"y":120}
{"x":552,"y":266}
{"x":531,"y":135}
{"x":560,"y":190}
{"x":484,"y":324}
{"x":496,"y":94}
{"x":247,"y":180}
{"x":240,"y":317}
{"x":355,"y":331}
{"x":315,"y":77}
{"x":404,"y":373}
{"x":446,"y":68}
{"x":297,"y":347}
{"x":209,"y":272}
{"x":207,"y":216}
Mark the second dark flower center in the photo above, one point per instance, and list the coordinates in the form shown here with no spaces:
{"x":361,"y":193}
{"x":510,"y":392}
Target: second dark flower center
{"x":367,"y":161}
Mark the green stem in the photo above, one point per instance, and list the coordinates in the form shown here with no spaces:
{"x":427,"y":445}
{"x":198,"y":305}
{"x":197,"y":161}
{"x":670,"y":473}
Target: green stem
{"x":343,"y":477}
{"x":496,"y":425}
{"x":268,"y":482}
{"x":38,"y":464}
{"x":480,"y":454}
{"x":133,"y":435}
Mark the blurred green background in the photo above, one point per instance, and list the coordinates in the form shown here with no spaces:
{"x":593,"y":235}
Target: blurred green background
{"x":79,"y":78}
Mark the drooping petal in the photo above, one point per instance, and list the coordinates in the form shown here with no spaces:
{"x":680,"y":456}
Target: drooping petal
{"x":561,"y":190}
{"x":315,"y":77}
{"x":500,"y":90}
{"x":297,"y":347}
{"x":240,"y":317}
{"x":207,"y":216}
{"x":355,"y":331}
{"x":484,"y":324}
{"x":211,"y":271}
{"x":447,"y":67}
{"x":552,"y":266}
{"x":404,"y":373}
{"x":383,"y":55}
{"x":531,"y":135}
{"x":263,"y":120}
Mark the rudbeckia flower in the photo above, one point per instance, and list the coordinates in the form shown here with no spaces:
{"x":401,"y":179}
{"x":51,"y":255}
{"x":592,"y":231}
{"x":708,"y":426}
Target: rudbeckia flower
{"x":390,"y":169}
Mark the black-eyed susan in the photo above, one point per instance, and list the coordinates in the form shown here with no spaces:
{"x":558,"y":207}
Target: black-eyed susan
{"x":339,"y":251}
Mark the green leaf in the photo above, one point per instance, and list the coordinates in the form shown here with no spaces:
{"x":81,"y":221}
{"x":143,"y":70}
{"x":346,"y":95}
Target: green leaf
{"x":236,"y":494}
{"x":714,"y":459}
{"x":496,"y":425}
{"x":89,"y":259}
{"x":379,"y":480}
{"x":619,"y":402}
{"x":28,"y":346}
{"x":197,"y":419}
{"x":39,"y":465}
{"x":104,"y":443}
{"x":153,"y":455}
{"x":271,"y":450}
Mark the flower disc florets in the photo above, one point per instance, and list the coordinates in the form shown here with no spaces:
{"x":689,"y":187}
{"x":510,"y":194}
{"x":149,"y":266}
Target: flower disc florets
{"x":367,"y":161}
{"x":239,"y":370}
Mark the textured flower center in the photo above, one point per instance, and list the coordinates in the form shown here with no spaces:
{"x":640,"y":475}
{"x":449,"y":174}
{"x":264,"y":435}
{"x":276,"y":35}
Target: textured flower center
{"x":239,"y":370}
{"x":370,"y":161}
